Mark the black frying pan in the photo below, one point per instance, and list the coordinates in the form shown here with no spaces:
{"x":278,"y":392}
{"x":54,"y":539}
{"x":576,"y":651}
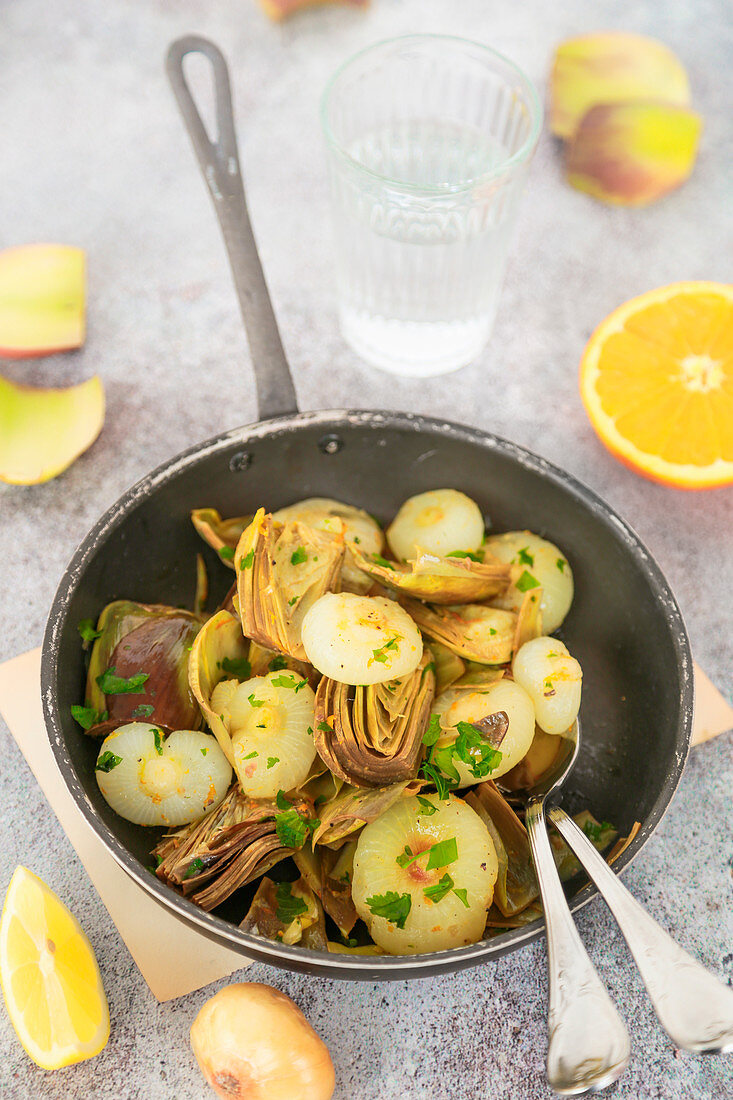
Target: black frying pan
{"x":624,"y":625}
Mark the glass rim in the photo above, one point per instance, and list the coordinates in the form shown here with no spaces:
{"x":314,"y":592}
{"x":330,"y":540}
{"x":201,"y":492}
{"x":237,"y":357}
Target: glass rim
{"x":534,"y":104}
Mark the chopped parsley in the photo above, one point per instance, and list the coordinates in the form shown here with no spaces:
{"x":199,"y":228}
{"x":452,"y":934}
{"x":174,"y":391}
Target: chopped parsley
{"x":357,"y":540}
{"x":226,"y":552}
{"x":204,"y":752}
{"x":282,"y":802}
{"x":277,"y":663}
{"x":194,"y":867}
{"x":292,"y":600}
{"x":427,"y":808}
{"x":298,"y":556}
{"x":462,"y":895}
{"x":158,"y":740}
{"x":593,"y":829}
{"x":246,"y":561}
{"x":433,"y":731}
{"x":272,"y":761}
{"x":381,"y":654}
{"x":87,"y":631}
{"x":493,"y":630}
{"x":289,"y":682}
{"x":437,"y":892}
{"x":250,"y":756}
{"x":289,"y":907}
{"x":88,"y":716}
{"x":291,"y":828}
{"x":464,"y":554}
{"x":118,"y":685}
{"x":107,"y":761}
{"x":561,"y":563}
{"x":324,"y":727}
{"x":237,"y":666}
{"x":392,"y":906}
{"x":143,"y":710}
{"x":379,"y":560}
{"x":527,"y":581}
{"x":439,"y":855}
{"x":470,"y":747}
{"x":255,"y":702}
{"x":525,"y":558}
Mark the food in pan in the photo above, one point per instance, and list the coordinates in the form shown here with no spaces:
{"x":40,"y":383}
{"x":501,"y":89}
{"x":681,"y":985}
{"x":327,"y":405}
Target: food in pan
{"x":353,"y":718}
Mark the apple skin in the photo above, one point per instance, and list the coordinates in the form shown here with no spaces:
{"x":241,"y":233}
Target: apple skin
{"x":42,"y":300}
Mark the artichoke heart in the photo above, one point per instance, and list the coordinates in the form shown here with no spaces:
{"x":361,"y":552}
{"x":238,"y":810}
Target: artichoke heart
{"x":439,"y":580}
{"x":148,"y":639}
{"x":372,"y":735}
{"x":282,"y":569}
{"x":233,"y":845}
{"x":474,"y":631}
{"x":219,"y":652}
{"x":222,"y":535}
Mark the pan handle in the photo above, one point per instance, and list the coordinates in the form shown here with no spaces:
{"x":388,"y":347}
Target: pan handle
{"x":219,"y":164}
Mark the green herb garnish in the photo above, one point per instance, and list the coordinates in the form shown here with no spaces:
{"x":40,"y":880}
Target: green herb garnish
{"x":158,"y":740}
{"x":291,"y":829}
{"x":250,"y":756}
{"x":226,"y":552}
{"x":298,"y":556}
{"x":433,"y":731}
{"x":462,"y":895}
{"x":524,"y":557}
{"x":204,"y":752}
{"x":324,"y":727}
{"x":561,"y":563}
{"x":439,"y":855}
{"x":88,"y":716}
{"x":437,"y":893}
{"x":272,"y":761}
{"x":288,"y":905}
{"x":237,"y":666}
{"x":292,"y":600}
{"x":392,"y":906}
{"x":379,"y":560}
{"x":470,"y":747}
{"x":465,"y":554}
{"x":143,"y":710}
{"x":255,"y":702}
{"x":194,"y":867}
{"x":118,"y":685}
{"x":381,"y":653}
{"x":594,"y":829}
{"x":107,"y":761}
{"x":527,"y":581}
{"x":277,"y":663}
{"x":246,"y":561}
{"x":87,"y":631}
{"x":427,"y":809}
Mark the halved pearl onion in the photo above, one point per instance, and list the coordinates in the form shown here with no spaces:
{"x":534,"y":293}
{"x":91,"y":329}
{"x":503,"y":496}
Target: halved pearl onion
{"x":430,"y":925}
{"x":269,"y":722}
{"x":543,"y":561}
{"x":471,"y":706}
{"x":439,"y":521}
{"x":325,"y":514}
{"x":553,"y":680}
{"x":360,"y":639}
{"x":173,"y":782}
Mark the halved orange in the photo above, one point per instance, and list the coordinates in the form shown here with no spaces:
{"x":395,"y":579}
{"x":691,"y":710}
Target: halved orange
{"x":656,"y":379}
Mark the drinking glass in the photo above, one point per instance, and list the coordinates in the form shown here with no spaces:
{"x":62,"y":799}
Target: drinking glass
{"x":429,"y":140}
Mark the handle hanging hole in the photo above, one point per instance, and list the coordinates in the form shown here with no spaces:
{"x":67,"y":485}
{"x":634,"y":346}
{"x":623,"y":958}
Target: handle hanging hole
{"x":330,"y":444}
{"x":241,"y":461}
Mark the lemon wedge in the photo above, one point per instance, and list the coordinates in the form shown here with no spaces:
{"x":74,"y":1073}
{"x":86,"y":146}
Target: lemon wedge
{"x":50,"y":977}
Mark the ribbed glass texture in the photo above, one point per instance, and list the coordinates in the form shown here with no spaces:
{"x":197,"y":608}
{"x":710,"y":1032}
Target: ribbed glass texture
{"x":429,"y":139}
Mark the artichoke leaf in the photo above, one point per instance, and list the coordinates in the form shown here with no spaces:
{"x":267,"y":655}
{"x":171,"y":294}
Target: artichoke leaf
{"x":152,"y":639}
{"x":438,"y":580}
{"x":354,"y":807}
{"x":220,"y":534}
{"x":474,"y":631}
{"x":529,"y":619}
{"x":201,"y":594}
{"x":282,"y":569}
{"x":516,"y":887}
{"x":371,"y":735}
{"x":271,"y":912}
{"x":219,"y":640}
{"x":448,"y":666}
{"x":540,"y":758}
{"x":326,"y":872}
{"x":229,"y":847}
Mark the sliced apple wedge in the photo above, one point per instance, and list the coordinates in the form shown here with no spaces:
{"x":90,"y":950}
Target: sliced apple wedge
{"x":42,"y":431}
{"x":42,"y":299}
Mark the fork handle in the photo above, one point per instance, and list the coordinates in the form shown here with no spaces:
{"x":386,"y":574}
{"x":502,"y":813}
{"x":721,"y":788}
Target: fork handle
{"x":692,"y":1005}
{"x":588,"y":1041}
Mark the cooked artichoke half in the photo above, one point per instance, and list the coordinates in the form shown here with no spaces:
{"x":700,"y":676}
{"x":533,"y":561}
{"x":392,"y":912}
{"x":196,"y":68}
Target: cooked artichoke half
{"x":372,"y":735}
{"x":329,"y":874}
{"x":219,"y":652}
{"x":357,"y":526}
{"x":220,"y":534}
{"x":282,"y":569}
{"x":354,"y":807}
{"x":211,"y":858}
{"x":439,"y":580}
{"x":138,"y":666}
{"x":473,"y":631}
{"x":516,"y":886}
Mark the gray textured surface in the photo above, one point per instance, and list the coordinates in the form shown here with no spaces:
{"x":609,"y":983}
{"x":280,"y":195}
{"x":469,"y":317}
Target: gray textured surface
{"x":93,"y":154}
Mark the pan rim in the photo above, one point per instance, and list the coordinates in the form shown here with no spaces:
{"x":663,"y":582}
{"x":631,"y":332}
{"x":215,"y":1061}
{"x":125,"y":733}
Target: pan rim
{"x":294,"y":958}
